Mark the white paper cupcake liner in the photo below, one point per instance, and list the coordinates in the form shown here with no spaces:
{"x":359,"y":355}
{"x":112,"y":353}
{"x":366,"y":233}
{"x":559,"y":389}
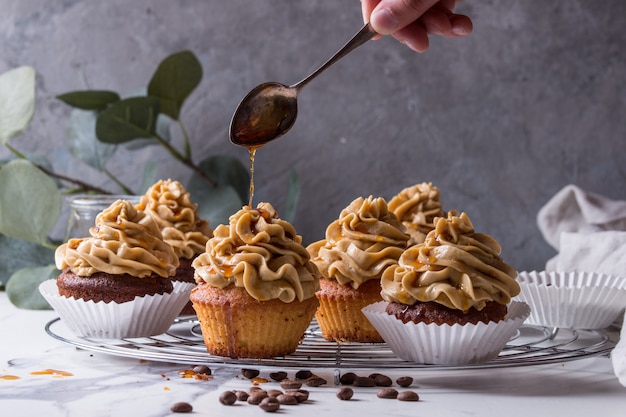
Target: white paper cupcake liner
{"x":144,"y":316}
{"x":444,"y":344}
{"x":577,"y":300}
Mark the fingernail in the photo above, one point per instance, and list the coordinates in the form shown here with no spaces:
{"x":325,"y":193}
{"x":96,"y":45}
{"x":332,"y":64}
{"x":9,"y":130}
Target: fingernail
{"x":384,"y":22}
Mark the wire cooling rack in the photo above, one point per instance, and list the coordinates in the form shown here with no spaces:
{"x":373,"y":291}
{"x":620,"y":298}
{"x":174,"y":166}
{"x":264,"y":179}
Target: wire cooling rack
{"x":183,"y":344}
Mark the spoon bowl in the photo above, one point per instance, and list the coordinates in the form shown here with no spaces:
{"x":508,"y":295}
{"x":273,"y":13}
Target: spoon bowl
{"x":270,"y":109}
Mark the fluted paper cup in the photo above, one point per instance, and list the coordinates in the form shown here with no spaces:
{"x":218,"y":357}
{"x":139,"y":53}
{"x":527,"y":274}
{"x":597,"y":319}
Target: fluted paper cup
{"x":144,"y":316}
{"x":576,"y":300}
{"x":456,"y":344}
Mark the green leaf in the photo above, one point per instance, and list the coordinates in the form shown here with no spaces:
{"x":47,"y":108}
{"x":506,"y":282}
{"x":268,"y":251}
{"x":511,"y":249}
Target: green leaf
{"x":82,"y":142}
{"x":128,"y":119}
{"x":30,"y":204}
{"x":17,"y":101}
{"x":23,"y":287}
{"x":162,"y":130}
{"x":175,"y":78}
{"x":224,"y":170}
{"x":17,"y":254}
{"x":89,"y":99}
{"x":149,"y":176}
{"x":293,"y":195}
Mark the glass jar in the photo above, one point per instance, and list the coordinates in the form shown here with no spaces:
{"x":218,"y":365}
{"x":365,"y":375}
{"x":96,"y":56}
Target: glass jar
{"x":85,"y":207}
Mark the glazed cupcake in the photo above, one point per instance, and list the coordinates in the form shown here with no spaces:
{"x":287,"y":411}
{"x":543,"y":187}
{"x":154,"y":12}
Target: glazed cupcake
{"x":255,"y":293}
{"x":416,"y":207}
{"x":448,"y":300}
{"x":169,"y":204}
{"x":116,"y":283}
{"x":364,"y":241}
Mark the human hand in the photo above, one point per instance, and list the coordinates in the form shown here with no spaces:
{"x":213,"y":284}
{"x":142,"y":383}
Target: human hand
{"x":412,"y":21}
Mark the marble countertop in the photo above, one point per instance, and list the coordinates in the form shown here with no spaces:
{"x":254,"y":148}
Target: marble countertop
{"x":42,"y":376}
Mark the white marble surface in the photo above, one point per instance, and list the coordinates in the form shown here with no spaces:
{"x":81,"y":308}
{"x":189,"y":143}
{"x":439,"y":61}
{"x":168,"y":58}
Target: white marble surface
{"x":106,"y":385}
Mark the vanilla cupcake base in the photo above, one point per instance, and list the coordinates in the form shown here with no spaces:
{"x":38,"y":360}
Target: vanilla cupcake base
{"x":144,"y":316}
{"x":444,"y":344}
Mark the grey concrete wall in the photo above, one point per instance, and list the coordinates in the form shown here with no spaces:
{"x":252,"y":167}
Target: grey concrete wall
{"x":533,"y":100}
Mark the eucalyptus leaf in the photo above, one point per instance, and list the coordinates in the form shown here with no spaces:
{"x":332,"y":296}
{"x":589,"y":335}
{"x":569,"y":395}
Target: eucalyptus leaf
{"x":89,"y":99}
{"x":82,"y":142}
{"x":174,"y":80}
{"x":162,"y":129}
{"x":293,"y":195}
{"x":23,"y":287}
{"x":149,"y":176}
{"x":128,"y":119}
{"x":224,"y":170}
{"x":30,"y":204}
{"x":17,"y":101}
{"x":215,"y":204}
{"x":17,"y":254}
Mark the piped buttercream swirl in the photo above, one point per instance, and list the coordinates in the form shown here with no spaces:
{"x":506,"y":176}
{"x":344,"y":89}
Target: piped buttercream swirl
{"x":454,"y":266}
{"x":123,"y":240}
{"x":261,"y":253}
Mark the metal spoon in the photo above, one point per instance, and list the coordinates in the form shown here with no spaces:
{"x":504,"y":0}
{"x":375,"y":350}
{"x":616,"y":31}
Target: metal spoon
{"x":270,"y":109}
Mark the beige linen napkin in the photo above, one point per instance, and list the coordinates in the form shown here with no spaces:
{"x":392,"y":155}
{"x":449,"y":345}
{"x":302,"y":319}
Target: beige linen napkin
{"x":589,"y":233}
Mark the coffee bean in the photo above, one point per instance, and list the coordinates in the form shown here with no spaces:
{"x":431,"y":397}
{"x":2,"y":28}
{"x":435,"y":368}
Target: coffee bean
{"x":304,"y":374}
{"x":408,"y":396}
{"x":256,"y":397}
{"x":345,"y":393}
{"x":202,"y":369}
{"x":363,"y":381}
{"x":273,"y":392}
{"x":301,"y":394}
{"x":382,"y":381}
{"x":290,"y":384}
{"x":181,"y":407}
{"x":228,"y":398}
{"x":287,"y":399}
{"x":374,"y":375}
{"x":347,"y":378}
{"x":404,"y":381}
{"x":387,"y":393}
{"x":242,"y":395}
{"x":315,"y":381}
{"x":278,"y":376}
{"x":269,"y":404}
{"x":250,"y":373}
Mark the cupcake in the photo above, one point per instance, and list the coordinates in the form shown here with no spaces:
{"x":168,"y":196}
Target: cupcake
{"x":169,"y":204}
{"x":364,"y":241}
{"x":255,"y":292}
{"x":416,"y":207}
{"x":448,"y":300}
{"x":116,"y":283}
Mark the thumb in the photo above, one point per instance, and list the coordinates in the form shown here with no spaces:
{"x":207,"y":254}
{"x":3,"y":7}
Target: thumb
{"x":391,"y":15}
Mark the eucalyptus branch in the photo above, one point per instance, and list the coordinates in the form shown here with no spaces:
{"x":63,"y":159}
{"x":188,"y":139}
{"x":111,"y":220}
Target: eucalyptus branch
{"x":187,"y":146}
{"x":185,"y":160}
{"x":120,"y":184}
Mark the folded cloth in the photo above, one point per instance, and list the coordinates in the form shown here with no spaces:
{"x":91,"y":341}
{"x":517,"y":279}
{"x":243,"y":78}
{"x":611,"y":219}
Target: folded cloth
{"x":589,"y":233}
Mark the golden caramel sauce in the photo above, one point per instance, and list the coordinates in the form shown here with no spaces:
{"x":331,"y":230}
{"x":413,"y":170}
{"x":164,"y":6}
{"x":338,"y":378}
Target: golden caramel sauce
{"x":53,"y":372}
{"x":252,"y":152}
{"x":9,"y":377}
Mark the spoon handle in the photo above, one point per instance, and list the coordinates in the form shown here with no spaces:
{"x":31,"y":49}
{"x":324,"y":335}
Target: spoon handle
{"x":365,"y":34}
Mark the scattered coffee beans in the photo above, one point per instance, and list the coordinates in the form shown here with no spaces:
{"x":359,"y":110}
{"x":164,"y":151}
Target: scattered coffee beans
{"x":301,"y":395}
{"x":382,"y":381}
{"x":181,"y":407}
{"x":287,"y":399}
{"x":345,"y":393}
{"x":269,"y":404}
{"x":290,"y":384}
{"x":347,"y":378}
{"x":408,"y":396}
{"x":242,"y":395}
{"x":304,"y":374}
{"x":404,"y":381}
{"x":202,"y":369}
{"x":228,"y":398}
{"x":315,"y":381}
{"x":274,"y":392}
{"x":256,"y":397}
{"x":363,"y":381}
{"x":389,"y":393}
{"x":278,"y":376}
{"x":250,"y":373}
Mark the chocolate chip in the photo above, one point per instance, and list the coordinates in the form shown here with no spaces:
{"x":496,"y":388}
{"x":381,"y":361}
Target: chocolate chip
{"x":290,"y":384}
{"x":242,"y":395}
{"x":250,"y":373}
{"x":304,"y":374}
{"x":269,"y":404}
{"x":387,"y":393}
{"x":345,"y":393}
{"x":408,"y":396}
{"x":202,"y":369}
{"x":181,"y":407}
{"x":315,"y":381}
{"x":278,"y":376}
{"x":347,"y":378}
{"x":287,"y":399}
{"x":228,"y":398}
{"x":363,"y":381}
{"x":256,"y":397}
{"x":404,"y":381}
{"x":382,"y":381}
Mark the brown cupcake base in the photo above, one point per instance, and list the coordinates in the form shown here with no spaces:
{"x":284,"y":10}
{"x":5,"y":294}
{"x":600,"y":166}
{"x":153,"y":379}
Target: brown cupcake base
{"x":185,"y":273}
{"x":432,"y":312}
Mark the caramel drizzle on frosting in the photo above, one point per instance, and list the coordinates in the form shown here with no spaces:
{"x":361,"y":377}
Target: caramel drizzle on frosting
{"x":454,"y":267}
{"x":360,"y":244}
{"x":261,"y":253}
{"x":169,"y":204}
{"x":124,"y":240}
{"x":417,"y":207}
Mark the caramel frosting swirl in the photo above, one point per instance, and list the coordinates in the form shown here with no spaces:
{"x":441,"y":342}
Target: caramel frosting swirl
{"x":417,"y":207}
{"x":169,"y":204}
{"x":261,"y":253}
{"x":454,"y":267}
{"x":360,"y":244}
{"x":124,"y":240}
